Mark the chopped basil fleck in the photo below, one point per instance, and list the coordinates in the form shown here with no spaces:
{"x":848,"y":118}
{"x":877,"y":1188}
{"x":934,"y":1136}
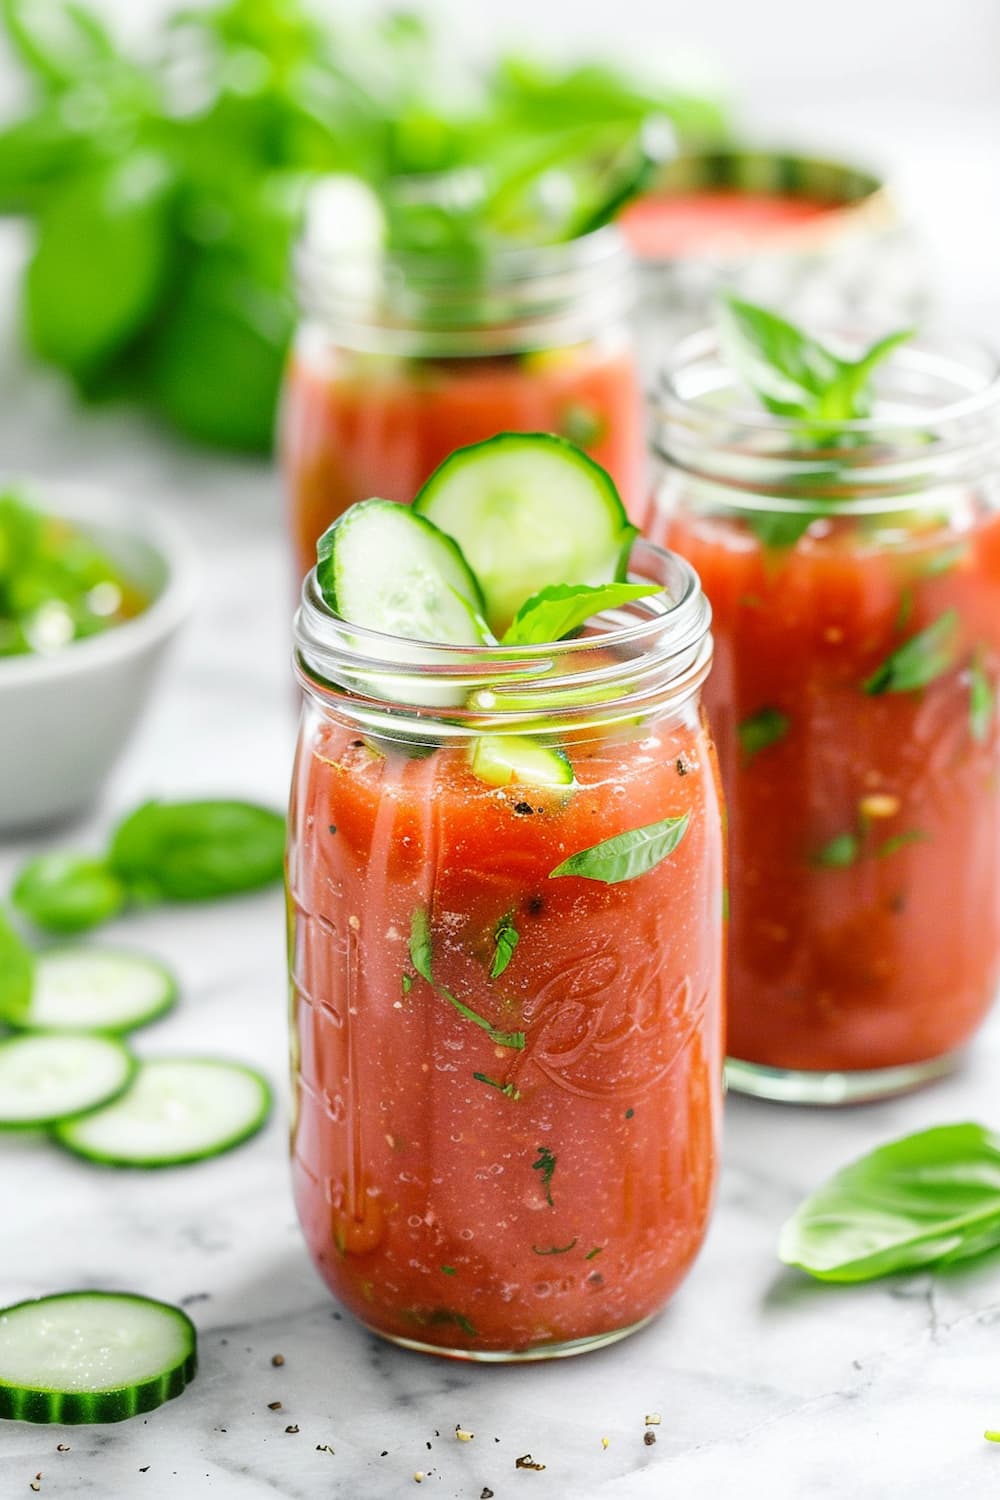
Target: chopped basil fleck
{"x":919,"y":661}
{"x":763,"y":729}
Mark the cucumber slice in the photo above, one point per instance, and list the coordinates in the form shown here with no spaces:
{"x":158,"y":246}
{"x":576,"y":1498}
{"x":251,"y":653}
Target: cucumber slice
{"x":529,"y":510}
{"x":49,"y":1078}
{"x":383,"y":566}
{"x":96,"y":989}
{"x":92,"y":1357}
{"x":503,"y":759}
{"x":177,"y":1110}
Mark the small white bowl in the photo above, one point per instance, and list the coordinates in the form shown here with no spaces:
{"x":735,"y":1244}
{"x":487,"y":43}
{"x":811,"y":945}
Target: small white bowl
{"x":66,"y":717}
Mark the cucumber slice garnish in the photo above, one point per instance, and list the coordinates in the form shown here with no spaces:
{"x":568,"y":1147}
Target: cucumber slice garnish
{"x":385,"y":567}
{"x":176,"y":1110}
{"x":92,"y":1357}
{"x":529,"y":510}
{"x":506,"y":759}
{"x":96,"y":989}
{"x":48,"y":1078}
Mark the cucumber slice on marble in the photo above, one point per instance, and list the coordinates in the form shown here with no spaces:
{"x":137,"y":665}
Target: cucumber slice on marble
{"x":512,"y":759}
{"x":92,"y":1357}
{"x":96,"y":989}
{"x":529,"y":510}
{"x":56,"y":1076}
{"x":384,"y":567}
{"x":176,"y":1110}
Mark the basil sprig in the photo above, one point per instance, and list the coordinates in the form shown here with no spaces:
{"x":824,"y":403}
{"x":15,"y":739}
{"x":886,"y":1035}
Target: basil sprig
{"x":917,"y":662}
{"x":795,"y":376}
{"x":929,"y":1198}
{"x":559,"y":611}
{"x":627,"y":855}
{"x":164,"y":851}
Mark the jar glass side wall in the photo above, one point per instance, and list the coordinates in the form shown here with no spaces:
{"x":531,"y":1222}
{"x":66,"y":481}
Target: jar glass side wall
{"x":515,"y":1158}
{"x":853,"y":698}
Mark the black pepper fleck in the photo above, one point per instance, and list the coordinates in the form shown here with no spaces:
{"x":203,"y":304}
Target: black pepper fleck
{"x":629,"y":1113}
{"x":274,"y":1406}
{"x":144,"y":1469}
{"x":292,"y":1427}
{"x":486,"y":1493}
{"x":523,"y":809}
{"x":682,"y":766}
{"x":331,"y":828}
{"x":649,"y":1438}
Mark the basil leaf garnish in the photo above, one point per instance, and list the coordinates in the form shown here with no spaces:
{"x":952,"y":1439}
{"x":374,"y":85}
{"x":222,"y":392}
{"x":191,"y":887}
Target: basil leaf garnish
{"x":421,"y":957}
{"x":505,"y":940}
{"x":762,"y":729}
{"x":627,"y":855}
{"x":921,"y":659}
{"x":794,"y":375}
{"x":932,"y":1196}
{"x":982,"y":703}
{"x":555,"y":613}
{"x":17,"y":974}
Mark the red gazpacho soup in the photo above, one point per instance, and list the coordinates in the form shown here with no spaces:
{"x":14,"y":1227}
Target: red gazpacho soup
{"x":720,"y":221}
{"x":854,"y":703}
{"x":458,"y":1189}
{"x":356,"y":424}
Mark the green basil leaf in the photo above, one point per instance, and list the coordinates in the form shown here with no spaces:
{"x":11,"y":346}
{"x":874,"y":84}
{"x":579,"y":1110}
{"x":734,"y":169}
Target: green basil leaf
{"x":17,"y":974}
{"x":897,"y":841}
{"x":627,"y":855}
{"x":785,"y":368}
{"x":195,"y":851}
{"x":794,"y":375}
{"x":505,"y":940}
{"x":840,"y":853}
{"x":420,"y":944}
{"x":921,"y":659}
{"x":764,"y":728}
{"x":68,"y":892}
{"x":555,"y":613}
{"x":783,"y":528}
{"x":217,"y":361}
{"x":101,"y":262}
{"x":847,"y":396}
{"x":36,"y":153}
{"x":57,"y":39}
{"x":982,"y":703}
{"x":928,"y":1197}
{"x":421,"y":957}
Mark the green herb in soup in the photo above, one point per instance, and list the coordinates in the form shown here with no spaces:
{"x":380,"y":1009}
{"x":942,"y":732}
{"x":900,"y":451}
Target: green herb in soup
{"x":56,"y":584}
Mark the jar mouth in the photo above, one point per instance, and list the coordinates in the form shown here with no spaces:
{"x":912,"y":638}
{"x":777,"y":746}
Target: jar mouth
{"x":936,"y":420}
{"x":509,"y":299}
{"x":629,"y":661}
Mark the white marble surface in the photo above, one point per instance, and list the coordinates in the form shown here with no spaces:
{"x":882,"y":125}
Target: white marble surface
{"x":768,"y":1385}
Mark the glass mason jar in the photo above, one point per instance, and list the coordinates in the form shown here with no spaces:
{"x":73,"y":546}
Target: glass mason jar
{"x":401,"y":358}
{"x":856,"y":596}
{"x":821,"y":239}
{"x":506,"y":1075}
